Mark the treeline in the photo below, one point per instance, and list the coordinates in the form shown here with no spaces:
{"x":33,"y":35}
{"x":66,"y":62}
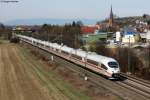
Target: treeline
{"x":5,"y":32}
{"x":68,"y":34}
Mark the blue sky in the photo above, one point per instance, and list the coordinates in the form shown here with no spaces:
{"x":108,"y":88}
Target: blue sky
{"x":72,"y":9}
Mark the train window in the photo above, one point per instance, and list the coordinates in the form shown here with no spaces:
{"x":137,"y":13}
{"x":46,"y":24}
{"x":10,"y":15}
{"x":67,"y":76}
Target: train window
{"x":34,"y":42}
{"x":65,"y":52}
{"x":41,"y":44}
{"x":47,"y":46}
{"x":78,"y":57}
{"x":113,"y":64}
{"x":104,"y":67}
{"x":92,"y":62}
{"x":57,"y":50}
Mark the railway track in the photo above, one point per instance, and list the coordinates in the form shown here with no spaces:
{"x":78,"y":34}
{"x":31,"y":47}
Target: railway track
{"x":126,"y":89}
{"x":137,"y":80}
{"x":122,"y":91}
{"x":136,"y":84}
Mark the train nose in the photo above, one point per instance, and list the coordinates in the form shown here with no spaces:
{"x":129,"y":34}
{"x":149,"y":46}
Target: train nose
{"x":116,"y":75}
{"x":115,"y":70}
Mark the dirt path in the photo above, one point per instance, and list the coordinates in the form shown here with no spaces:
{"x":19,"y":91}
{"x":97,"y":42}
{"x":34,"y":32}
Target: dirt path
{"x":22,"y":78}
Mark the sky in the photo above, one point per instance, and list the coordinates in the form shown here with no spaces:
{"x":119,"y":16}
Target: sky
{"x":72,"y":9}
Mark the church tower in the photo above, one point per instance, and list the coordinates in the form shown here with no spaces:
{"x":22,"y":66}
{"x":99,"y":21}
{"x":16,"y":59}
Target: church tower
{"x":111,"y":18}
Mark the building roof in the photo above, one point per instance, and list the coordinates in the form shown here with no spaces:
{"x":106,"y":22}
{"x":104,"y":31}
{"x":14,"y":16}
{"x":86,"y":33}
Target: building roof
{"x":88,"y":29}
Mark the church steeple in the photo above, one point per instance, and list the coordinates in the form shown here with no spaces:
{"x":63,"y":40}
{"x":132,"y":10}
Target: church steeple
{"x":111,"y":18}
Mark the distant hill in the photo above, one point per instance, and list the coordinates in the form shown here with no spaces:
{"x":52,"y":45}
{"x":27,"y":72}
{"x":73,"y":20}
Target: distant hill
{"x":49,"y":21}
{"x":132,"y":20}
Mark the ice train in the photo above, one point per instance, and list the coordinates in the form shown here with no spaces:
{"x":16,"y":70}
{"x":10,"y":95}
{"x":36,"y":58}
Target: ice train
{"x":103,"y":65}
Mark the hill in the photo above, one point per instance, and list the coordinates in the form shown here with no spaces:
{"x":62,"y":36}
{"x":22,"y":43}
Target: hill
{"x":130,"y":20}
{"x":48,"y":21}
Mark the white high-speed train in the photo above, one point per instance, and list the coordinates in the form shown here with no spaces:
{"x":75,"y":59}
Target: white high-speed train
{"x":106,"y":66}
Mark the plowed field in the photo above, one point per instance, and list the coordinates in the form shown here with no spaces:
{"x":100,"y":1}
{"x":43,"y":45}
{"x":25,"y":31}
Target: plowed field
{"x":23,"y":78}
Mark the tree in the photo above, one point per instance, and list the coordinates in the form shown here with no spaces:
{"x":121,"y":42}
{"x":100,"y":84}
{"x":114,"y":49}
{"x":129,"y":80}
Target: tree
{"x":79,"y":23}
{"x":2,"y":26}
{"x":73,"y":23}
{"x":148,"y":22}
{"x":145,"y":16}
{"x":5,"y":32}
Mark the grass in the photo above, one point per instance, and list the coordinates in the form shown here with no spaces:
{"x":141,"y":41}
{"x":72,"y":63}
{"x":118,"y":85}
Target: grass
{"x":2,"y":40}
{"x":94,"y":38}
{"x":51,"y":79}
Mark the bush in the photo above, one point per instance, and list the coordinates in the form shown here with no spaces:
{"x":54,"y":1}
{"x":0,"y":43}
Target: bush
{"x":14,"y":40}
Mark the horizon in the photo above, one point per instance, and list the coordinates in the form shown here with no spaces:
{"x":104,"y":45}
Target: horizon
{"x":54,"y":21}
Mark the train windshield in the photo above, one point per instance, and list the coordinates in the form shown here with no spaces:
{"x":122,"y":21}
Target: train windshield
{"x":113,"y":64}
